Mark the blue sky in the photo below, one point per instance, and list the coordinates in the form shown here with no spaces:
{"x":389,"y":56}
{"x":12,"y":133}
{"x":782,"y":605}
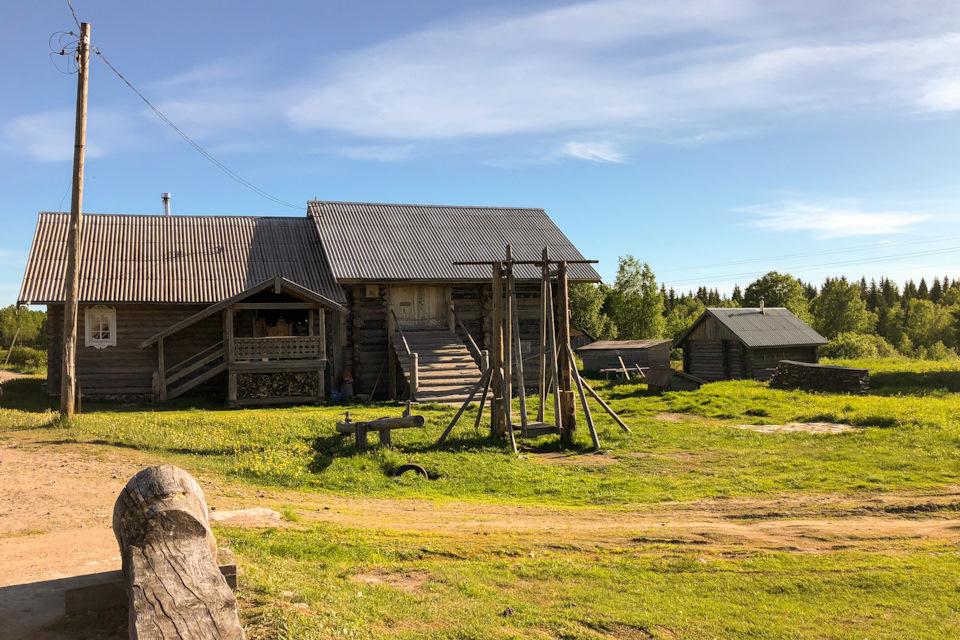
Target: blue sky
{"x":714,"y":139}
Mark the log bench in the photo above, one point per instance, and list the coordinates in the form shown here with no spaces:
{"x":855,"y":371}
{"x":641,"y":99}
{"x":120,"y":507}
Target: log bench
{"x":383,"y":427}
{"x":174,"y":587}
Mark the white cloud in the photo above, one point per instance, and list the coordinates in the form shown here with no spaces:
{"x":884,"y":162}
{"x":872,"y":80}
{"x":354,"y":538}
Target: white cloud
{"x":10,"y":258}
{"x":593,"y":151}
{"x":647,"y":65}
{"x":49,"y":136}
{"x":833,"y":220}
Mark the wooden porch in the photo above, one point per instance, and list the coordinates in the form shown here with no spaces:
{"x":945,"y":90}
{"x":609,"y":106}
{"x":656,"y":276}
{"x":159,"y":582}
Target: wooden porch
{"x":272,"y":351}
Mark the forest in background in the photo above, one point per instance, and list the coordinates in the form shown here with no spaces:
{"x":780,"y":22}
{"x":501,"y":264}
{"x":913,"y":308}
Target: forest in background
{"x":861,"y":319}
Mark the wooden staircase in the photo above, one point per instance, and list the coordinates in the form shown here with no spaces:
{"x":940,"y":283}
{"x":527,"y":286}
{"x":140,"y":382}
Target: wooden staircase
{"x":194,"y":371}
{"x":446,"y":371}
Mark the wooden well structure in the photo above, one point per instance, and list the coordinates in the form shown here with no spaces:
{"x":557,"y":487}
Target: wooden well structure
{"x":503,"y":365}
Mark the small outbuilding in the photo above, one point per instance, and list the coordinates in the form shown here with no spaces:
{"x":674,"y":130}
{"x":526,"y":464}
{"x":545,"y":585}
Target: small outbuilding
{"x":730,"y":344}
{"x":606,"y":354}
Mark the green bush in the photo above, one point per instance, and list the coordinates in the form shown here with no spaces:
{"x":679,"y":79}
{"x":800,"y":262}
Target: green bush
{"x":24,"y":360}
{"x":938,"y":351}
{"x":857,"y":346}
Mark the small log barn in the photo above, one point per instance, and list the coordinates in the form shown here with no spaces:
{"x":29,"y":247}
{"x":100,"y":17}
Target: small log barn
{"x":730,"y":344}
{"x":606,"y":354}
{"x":266,"y":310}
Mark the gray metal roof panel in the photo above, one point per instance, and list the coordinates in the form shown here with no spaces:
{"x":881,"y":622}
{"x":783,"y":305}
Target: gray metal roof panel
{"x":774,"y":327}
{"x":621,"y":344}
{"x":175,"y":259}
{"x":370,"y":241}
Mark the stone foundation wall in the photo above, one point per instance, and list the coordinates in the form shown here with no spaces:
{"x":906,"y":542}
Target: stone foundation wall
{"x":820,"y":377}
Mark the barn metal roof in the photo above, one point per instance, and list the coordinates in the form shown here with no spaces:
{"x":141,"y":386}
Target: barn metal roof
{"x":175,"y":259}
{"x":621,"y":344}
{"x":772,"y":327}
{"x":368,"y":241}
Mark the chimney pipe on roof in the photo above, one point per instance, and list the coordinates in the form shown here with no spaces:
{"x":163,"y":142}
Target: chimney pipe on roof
{"x":761,"y":306}
{"x":166,"y":203}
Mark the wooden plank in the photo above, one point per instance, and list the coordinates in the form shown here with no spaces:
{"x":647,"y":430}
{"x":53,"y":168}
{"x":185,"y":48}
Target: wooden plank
{"x":276,"y":306}
{"x":517,"y":354}
{"x":106,"y":591}
{"x":606,"y":407}
{"x":566,"y":364}
{"x":498,"y":425}
{"x":483,"y":379}
{"x":542,"y":359}
{"x":586,"y":407}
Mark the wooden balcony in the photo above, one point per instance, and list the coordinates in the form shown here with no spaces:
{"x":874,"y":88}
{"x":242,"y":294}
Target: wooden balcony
{"x":277,"y":348}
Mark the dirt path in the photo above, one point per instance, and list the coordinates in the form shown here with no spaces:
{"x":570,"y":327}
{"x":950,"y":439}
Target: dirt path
{"x":56,"y":501}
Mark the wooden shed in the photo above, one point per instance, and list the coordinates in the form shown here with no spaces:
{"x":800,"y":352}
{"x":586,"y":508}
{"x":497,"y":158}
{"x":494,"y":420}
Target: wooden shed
{"x":606,"y":354}
{"x":730,"y":344}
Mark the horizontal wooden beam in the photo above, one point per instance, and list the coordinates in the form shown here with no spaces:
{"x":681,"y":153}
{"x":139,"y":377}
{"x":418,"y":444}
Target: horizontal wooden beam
{"x":108,"y":591}
{"x":538,"y":263}
{"x":240,"y":306}
{"x":278,"y":365}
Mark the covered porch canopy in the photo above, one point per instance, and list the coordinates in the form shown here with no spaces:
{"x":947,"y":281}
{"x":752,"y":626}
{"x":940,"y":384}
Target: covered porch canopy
{"x":256,"y":347}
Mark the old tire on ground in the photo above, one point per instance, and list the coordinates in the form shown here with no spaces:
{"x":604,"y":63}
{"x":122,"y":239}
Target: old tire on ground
{"x":402,"y":469}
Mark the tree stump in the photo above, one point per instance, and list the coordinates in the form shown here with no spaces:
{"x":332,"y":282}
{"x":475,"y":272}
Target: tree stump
{"x":174,"y":587}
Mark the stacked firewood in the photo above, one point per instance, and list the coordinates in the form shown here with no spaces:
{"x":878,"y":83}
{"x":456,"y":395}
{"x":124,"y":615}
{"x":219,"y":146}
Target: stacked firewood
{"x":277,"y":385}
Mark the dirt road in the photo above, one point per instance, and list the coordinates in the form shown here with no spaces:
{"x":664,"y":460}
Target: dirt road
{"x":56,"y":502}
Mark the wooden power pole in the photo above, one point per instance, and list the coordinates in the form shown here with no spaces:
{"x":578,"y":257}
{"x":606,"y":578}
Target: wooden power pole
{"x":71,"y":284}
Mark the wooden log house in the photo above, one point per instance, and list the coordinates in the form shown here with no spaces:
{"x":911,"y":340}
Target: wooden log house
{"x":744,"y":343}
{"x":263,"y":310}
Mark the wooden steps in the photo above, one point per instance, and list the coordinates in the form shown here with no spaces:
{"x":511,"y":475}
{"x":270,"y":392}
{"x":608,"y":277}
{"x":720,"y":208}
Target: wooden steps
{"x":446,"y":372}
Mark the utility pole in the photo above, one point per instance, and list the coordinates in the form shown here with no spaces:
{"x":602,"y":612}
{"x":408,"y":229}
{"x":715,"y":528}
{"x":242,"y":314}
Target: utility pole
{"x":71,"y":284}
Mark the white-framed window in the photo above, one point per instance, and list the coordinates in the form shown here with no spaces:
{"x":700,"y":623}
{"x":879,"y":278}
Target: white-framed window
{"x":101,"y":324}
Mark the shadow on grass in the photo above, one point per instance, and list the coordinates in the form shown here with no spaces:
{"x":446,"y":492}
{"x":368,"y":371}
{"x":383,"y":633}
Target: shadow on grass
{"x":888,"y":383}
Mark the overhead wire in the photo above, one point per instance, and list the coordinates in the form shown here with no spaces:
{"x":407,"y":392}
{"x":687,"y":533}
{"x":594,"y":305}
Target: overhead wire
{"x":240,"y":180}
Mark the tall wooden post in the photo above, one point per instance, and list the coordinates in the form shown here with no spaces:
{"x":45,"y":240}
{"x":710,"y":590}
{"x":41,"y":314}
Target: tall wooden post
{"x":498,"y":424}
{"x":544,"y":283}
{"x":507,"y":338}
{"x":68,"y":380}
{"x":568,"y":402}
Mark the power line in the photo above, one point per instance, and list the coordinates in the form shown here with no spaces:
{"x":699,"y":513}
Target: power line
{"x":260,"y":192}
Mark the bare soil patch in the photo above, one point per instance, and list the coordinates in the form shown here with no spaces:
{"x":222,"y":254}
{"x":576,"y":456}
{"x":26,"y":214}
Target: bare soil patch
{"x":411,"y":581}
{"x":576,"y":459}
{"x":671,"y":417}
{"x":801,"y":427}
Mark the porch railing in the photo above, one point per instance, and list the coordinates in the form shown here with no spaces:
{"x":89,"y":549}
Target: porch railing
{"x":279,"y":348}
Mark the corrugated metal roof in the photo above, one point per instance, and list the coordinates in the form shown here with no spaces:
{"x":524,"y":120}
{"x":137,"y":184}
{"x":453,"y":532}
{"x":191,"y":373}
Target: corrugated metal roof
{"x":622,"y":344}
{"x":175,"y":259}
{"x":774,"y":327}
{"x":367,"y":241}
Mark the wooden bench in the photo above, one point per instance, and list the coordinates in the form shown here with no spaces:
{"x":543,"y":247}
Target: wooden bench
{"x":383,"y":427}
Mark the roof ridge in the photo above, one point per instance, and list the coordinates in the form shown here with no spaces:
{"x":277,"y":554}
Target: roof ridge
{"x":173,"y":217}
{"x":437,"y":206}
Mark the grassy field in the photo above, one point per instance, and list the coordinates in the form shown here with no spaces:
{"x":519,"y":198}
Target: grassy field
{"x":310,"y":580}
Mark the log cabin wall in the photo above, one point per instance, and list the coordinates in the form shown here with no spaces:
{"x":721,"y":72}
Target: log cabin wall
{"x":367,"y":336}
{"x":653,"y":356}
{"x":712,"y":352}
{"x":763,"y":362}
{"x":125,"y":369}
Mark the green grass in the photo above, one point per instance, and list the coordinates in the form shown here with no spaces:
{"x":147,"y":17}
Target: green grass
{"x":328,"y":581}
{"x":908,"y":441}
{"x":316,"y":583}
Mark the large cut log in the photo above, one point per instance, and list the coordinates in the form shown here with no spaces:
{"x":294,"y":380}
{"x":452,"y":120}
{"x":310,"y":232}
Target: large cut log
{"x":174,"y":587}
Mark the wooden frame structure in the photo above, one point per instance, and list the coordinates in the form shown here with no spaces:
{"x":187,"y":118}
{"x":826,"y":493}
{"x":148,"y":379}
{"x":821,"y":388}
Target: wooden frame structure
{"x":558,"y":371}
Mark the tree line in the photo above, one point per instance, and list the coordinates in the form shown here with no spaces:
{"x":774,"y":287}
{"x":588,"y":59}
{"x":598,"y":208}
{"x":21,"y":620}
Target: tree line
{"x":861,"y":319}
{"x":32,"y":325}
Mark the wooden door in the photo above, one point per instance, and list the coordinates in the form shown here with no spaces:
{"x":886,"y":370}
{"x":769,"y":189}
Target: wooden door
{"x":419,"y":304}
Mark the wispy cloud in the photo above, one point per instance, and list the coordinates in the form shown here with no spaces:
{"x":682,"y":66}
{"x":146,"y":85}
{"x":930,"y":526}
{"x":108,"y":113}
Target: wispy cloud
{"x":832,"y":220}
{"x":9,"y":258}
{"x":592,"y":151}
{"x":642,"y":71}
{"x":49,"y":136}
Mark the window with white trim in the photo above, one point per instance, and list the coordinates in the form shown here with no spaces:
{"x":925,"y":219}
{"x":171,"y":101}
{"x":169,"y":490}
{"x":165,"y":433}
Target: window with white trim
{"x":101,"y":324}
